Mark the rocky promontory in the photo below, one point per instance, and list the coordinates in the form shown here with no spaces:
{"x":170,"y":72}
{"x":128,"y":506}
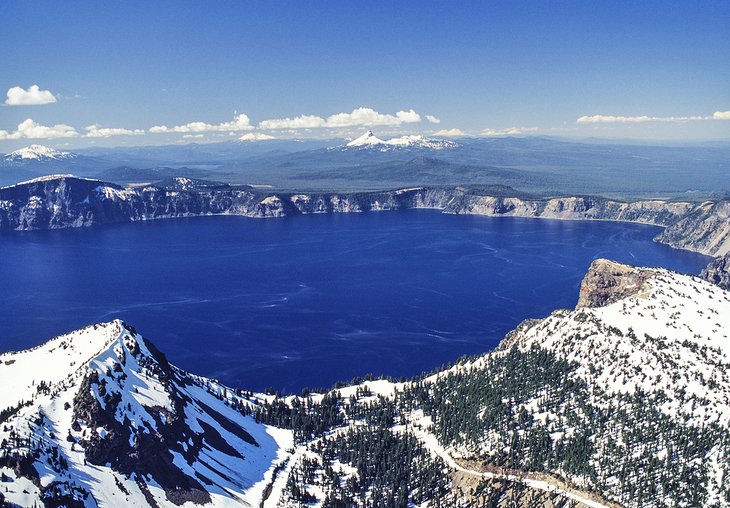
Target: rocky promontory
{"x":608,"y":281}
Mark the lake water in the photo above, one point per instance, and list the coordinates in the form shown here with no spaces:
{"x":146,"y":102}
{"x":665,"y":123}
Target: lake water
{"x":310,"y":300}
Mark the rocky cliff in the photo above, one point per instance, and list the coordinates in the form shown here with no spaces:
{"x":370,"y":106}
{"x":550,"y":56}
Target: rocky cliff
{"x":705,"y":228}
{"x":607,"y":282}
{"x":99,"y":417}
{"x":718,"y":271}
{"x":64,"y":201}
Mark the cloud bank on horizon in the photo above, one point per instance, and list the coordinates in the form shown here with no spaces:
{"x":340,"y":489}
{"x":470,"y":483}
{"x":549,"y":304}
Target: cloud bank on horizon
{"x":361,"y":117}
{"x":717,"y":115}
{"x":222,"y":70}
{"x":29,"y":129}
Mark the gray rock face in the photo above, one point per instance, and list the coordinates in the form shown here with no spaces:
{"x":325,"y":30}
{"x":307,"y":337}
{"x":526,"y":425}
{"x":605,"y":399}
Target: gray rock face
{"x":705,"y":229}
{"x":718,"y":272}
{"x":607,"y":282}
{"x":65,"y":201}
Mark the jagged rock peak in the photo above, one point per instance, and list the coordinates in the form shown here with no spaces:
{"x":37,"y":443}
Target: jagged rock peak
{"x":608,"y":281}
{"x":718,"y":272}
{"x":103,"y":403}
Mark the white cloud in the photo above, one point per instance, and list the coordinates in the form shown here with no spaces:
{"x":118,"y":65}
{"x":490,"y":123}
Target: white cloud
{"x":510,"y":131}
{"x":450,"y":132}
{"x":240,"y":122}
{"x":634,"y":119}
{"x":718,"y":115}
{"x":433,"y":119}
{"x":96,"y":131}
{"x":256,"y":136}
{"x":368,"y":117}
{"x":612,"y":119}
{"x":193,"y":136}
{"x":299,"y":122}
{"x":31,"y":130}
{"x":33,"y":96}
{"x":357,"y":118}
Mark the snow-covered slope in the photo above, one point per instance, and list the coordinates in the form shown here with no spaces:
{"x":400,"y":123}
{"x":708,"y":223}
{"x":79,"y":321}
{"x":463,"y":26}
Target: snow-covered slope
{"x":369,"y":140}
{"x":98,"y":417}
{"x":37,"y":153}
{"x":625,"y":399}
{"x":627,"y":395}
{"x":415,"y":141}
{"x":669,"y":336}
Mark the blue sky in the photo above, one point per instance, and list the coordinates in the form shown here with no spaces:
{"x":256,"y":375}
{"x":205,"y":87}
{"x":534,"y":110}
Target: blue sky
{"x":109,"y":73}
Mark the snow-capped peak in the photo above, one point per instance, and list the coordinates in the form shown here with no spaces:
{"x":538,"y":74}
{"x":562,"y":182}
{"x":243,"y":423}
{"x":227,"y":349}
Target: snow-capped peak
{"x":38,"y":153}
{"x":369,"y":140}
{"x":104,"y":418}
{"x":421,"y":142}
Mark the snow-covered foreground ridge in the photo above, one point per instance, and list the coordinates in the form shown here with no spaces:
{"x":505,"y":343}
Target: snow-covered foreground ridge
{"x":623,"y":401}
{"x":98,"y":417}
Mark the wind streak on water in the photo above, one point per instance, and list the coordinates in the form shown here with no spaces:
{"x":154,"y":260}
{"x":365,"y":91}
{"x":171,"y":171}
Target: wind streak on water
{"x":308,"y":301}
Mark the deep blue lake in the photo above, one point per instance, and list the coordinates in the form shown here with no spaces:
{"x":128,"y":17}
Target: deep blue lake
{"x":310,"y":300}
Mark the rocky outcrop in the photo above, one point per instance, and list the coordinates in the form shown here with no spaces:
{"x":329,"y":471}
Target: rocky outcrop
{"x":718,"y":272}
{"x":111,"y":408}
{"x":607,"y":282}
{"x":705,"y":229}
{"x":64,"y":201}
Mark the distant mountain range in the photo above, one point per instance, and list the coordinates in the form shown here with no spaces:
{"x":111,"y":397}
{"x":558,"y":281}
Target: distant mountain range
{"x":623,"y":401}
{"x":369,"y":140}
{"x":536,"y":165}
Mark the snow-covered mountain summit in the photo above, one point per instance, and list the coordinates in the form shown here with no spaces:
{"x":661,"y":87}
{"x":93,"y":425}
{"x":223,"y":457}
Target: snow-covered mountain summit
{"x":369,"y":140}
{"x":99,"y":417}
{"x":416,"y":141}
{"x":37,"y":153}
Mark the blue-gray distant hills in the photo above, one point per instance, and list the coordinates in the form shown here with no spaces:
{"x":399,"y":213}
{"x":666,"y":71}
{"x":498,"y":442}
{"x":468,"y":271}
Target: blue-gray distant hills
{"x":62,"y":201}
{"x":533,"y":164}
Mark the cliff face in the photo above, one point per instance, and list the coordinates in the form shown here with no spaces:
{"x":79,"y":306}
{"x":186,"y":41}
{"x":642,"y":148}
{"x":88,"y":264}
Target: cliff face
{"x":706,"y":229}
{"x":718,"y":272}
{"x":60,"y":202}
{"x":607,"y":282}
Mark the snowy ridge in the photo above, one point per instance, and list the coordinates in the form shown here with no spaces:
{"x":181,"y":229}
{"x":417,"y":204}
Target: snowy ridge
{"x":671,"y":337}
{"x":369,"y":140}
{"x":623,"y":401}
{"x":37,"y":153}
{"x":99,"y":417}
{"x":653,"y":375}
{"x":46,"y":178}
{"x":649,"y":389}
